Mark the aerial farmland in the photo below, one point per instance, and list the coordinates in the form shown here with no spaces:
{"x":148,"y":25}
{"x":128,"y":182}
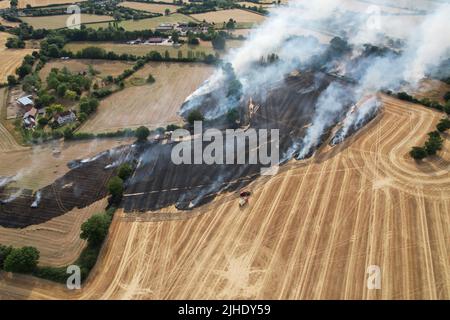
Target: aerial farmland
{"x":121,"y":164}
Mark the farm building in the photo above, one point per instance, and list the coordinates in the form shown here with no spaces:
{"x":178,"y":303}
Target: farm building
{"x":25,"y":101}
{"x":165,"y":27}
{"x":65,"y":117}
{"x":29,"y":118}
{"x":155,"y":40}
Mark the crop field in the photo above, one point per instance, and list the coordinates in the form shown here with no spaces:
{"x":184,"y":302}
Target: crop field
{"x":141,"y":49}
{"x":309,"y":232}
{"x":152,"y":105}
{"x":7,"y":141}
{"x":150,"y":7}
{"x":4,"y":4}
{"x":11,"y":58}
{"x":40,"y":3}
{"x":150,"y":23}
{"x":113,"y":68}
{"x":59,"y":21}
{"x":36,"y":167}
{"x":7,"y":23}
{"x":242,"y":17}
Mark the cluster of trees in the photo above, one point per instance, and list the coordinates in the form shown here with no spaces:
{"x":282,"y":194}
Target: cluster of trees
{"x":234,"y":85}
{"x":116,"y":184}
{"x":201,"y":6}
{"x":258,"y":9}
{"x":15,"y":43}
{"x":271,"y":58}
{"x":27,"y":66}
{"x":66,"y":84}
{"x":100,"y":53}
{"x":433,"y":144}
{"x":21,"y":260}
{"x":426,"y":102}
{"x":112,"y":9}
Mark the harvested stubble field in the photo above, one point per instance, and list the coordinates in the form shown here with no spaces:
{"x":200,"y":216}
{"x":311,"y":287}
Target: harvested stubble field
{"x":240,"y":16}
{"x":10,"y":58}
{"x":7,"y":141}
{"x":150,"y":7}
{"x":105,"y":67}
{"x":57,"y":239}
{"x":140,"y":49}
{"x":7,"y":23}
{"x":60,"y":21}
{"x":152,"y":105}
{"x":4,"y":4}
{"x":311,"y":231}
{"x":150,"y":23}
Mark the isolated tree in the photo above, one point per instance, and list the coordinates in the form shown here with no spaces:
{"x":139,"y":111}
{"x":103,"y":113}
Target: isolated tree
{"x":175,"y":36}
{"x":150,"y":79}
{"x":23,"y":260}
{"x":231,"y":24}
{"x":167,"y":11}
{"x":418,"y":153}
{"x":218,"y":42}
{"x":95,"y":229}
{"x":125,"y":171}
{"x":142,"y":133}
{"x":166,"y":55}
{"x":13,"y":3}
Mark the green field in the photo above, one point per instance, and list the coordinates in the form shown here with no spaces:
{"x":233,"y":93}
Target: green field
{"x":59,"y":21}
{"x":138,"y":50}
{"x":150,"y":23}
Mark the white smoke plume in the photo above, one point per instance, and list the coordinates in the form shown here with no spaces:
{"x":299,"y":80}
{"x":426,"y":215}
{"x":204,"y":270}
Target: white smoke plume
{"x":356,"y":118}
{"x":37,"y":199}
{"x":330,"y":106}
{"x":425,"y":39}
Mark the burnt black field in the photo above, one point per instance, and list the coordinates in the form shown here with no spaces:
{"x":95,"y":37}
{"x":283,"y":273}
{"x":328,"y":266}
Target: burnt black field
{"x":157,"y":182}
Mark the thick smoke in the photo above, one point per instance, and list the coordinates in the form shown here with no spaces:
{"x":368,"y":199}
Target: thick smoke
{"x":409,"y":59}
{"x":329,"y":109}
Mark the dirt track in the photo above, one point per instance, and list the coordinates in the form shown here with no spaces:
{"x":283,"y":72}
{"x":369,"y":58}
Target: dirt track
{"x":309,"y":232}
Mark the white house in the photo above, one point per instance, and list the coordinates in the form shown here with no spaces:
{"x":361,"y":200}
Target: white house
{"x":65,"y":117}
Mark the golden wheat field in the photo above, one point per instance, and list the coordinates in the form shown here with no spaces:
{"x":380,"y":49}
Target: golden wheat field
{"x":154,"y":105}
{"x":240,"y":16}
{"x":10,"y":58}
{"x":309,"y":232}
{"x":150,"y":7}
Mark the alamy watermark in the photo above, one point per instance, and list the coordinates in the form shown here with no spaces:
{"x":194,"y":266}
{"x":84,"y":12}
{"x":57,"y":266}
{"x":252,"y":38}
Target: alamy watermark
{"x":238,"y":146}
{"x":374,"y":279}
{"x":74,"y":20}
{"x":74,"y":280}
